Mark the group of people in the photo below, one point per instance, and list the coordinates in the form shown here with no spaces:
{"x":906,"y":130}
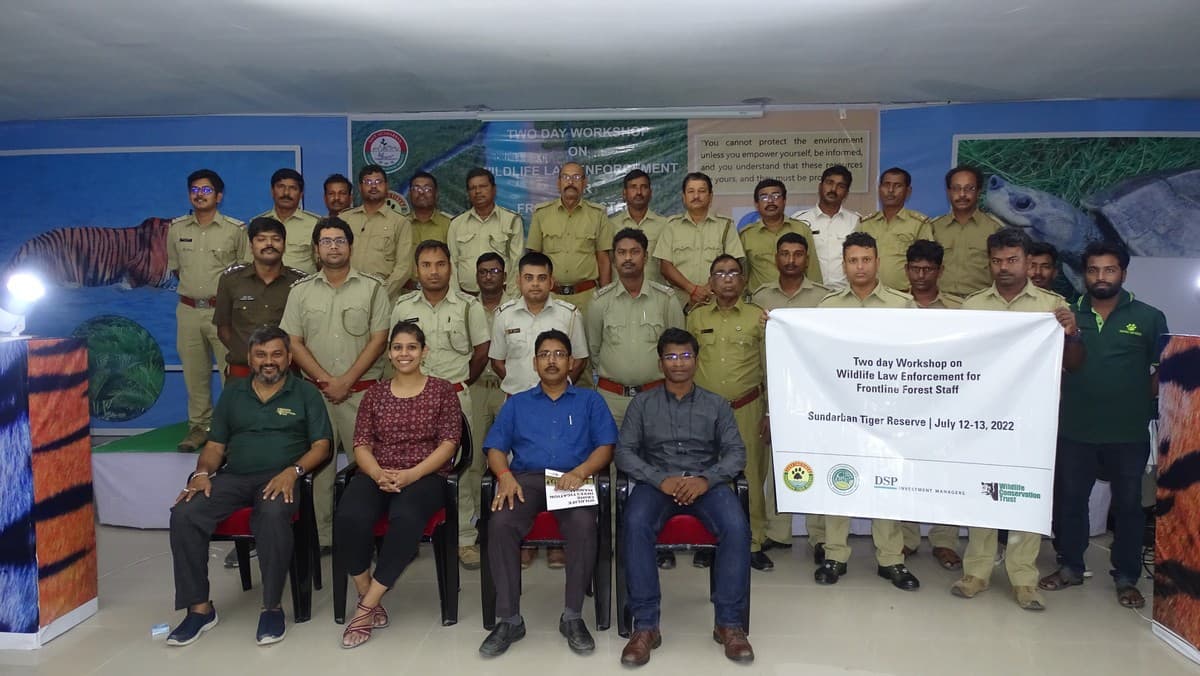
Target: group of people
{"x":628,"y":338}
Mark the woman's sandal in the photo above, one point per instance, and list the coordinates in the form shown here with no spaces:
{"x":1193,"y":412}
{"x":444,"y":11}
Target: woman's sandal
{"x":359,"y":627}
{"x":381,"y":619}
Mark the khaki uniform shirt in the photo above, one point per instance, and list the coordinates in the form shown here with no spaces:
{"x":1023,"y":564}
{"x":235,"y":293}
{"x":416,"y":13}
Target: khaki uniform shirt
{"x":245,"y":303}
{"x":881,"y":296}
{"x":770,"y":296}
{"x":1030,"y":299}
{"x":383,"y":246}
{"x":435,"y":228}
{"x":966,"y":251}
{"x":337,"y":323}
{"x":759,"y":244}
{"x":623,"y":331}
{"x":944,"y":300}
{"x":202,"y":252}
{"x":515,"y":329}
{"x":691,"y":247}
{"x":652,"y":226}
{"x":893,"y":239}
{"x":298,"y":251}
{"x":453,"y":328}
{"x":470,"y":236}
{"x":490,"y":316}
{"x":731,"y":360}
{"x":571,"y":238}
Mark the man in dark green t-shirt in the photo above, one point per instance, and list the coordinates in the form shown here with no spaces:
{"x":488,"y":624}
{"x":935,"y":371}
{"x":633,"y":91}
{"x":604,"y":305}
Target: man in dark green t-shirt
{"x":268,"y":431}
{"x":1103,"y":425}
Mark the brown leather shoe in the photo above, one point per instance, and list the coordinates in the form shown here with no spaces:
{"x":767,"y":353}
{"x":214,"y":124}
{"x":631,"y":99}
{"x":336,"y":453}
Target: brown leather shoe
{"x":556,"y":557}
{"x":737,"y":646}
{"x":637,"y":651}
{"x":527,"y":557}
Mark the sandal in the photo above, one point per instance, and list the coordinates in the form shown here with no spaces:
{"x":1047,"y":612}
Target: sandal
{"x":1130,"y":597}
{"x":1059,"y":579}
{"x":381,"y":619}
{"x":948,"y":558}
{"x":359,"y":628}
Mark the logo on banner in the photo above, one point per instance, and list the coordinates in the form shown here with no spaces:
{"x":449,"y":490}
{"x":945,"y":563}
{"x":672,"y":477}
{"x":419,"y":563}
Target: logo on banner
{"x":798,"y":476}
{"x":887,"y":482}
{"x":999,"y":492}
{"x":386,"y":148}
{"x":843,"y":479}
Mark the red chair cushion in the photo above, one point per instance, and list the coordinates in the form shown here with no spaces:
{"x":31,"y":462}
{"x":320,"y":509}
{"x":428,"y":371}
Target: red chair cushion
{"x":683,"y":529}
{"x":438,"y":518}
{"x":545,"y":527}
{"x":238,"y":523}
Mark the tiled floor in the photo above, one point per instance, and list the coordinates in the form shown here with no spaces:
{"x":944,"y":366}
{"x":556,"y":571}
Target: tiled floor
{"x":860,"y":626}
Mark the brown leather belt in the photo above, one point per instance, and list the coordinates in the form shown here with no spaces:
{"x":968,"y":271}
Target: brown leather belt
{"x":625,"y":390}
{"x":199,"y":303}
{"x":356,"y":387}
{"x":746,"y":398}
{"x":577,"y":287}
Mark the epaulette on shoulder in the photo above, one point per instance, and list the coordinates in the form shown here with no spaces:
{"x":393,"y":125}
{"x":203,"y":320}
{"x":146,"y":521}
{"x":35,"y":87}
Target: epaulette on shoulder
{"x":976,"y":293}
{"x":605,"y":289}
{"x":234,"y":268}
{"x":665,"y":288}
{"x":306,"y":212}
{"x":269,"y":213}
{"x":231,"y":219}
{"x":917,"y":215}
{"x":1052,"y":292}
{"x":543,"y":205}
{"x":295,"y":272}
{"x":180,"y":219}
{"x":897,"y":292}
{"x":352,"y":210}
{"x":821,"y":287}
{"x":761,"y":287}
{"x":303,"y":280}
{"x":373,"y":277}
{"x":953,"y":298}
{"x":410,"y":295}
{"x":507,"y":304}
{"x":871,"y":215}
{"x":464,"y":296}
{"x":834,"y":294}
{"x":565,"y":304}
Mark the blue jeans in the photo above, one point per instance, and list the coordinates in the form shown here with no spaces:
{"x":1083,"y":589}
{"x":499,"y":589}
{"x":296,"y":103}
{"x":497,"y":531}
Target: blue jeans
{"x":646,"y":510}
{"x":1076,"y":469}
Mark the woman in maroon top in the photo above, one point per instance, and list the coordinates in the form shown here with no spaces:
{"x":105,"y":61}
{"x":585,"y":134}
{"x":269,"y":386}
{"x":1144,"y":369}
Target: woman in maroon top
{"x":405,"y":436}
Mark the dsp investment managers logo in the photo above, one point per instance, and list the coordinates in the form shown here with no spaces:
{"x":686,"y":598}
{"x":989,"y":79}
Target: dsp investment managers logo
{"x":843,"y":479}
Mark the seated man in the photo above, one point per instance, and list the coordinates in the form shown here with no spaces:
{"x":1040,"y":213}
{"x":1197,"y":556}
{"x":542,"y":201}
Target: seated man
{"x":553,"y":425}
{"x":681,"y":445}
{"x":268,"y":430}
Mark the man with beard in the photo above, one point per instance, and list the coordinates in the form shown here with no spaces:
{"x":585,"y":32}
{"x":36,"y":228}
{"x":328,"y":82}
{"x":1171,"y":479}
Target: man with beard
{"x":427,"y":222}
{"x":267,"y":432}
{"x":287,"y":193}
{"x":964,"y":232}
{"x":576,"y":234}
{"x":761,"y":237}
{"x":385,"y":241}
{"x":1106,"y":407}
{"x":831,"y":223}
{"x":692,"y":240}
{"x":339,"y":194}
{"x":484,"y":227}
{"x":894,"y":227}
{"x":637,"y":191}
{"x":1044,"y":271}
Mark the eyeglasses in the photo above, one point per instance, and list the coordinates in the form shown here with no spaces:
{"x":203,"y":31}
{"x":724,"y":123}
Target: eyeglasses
{"x":726,"y":274}
{"x":771,"y":197}
{"x":922,"y":270}
{"x":678,"y":356}
{"x":570,"y":177}
{"x":491,"y":271}
{"x":421,"y":188}
{"x":555,"y":354}
{"x":201,"y":190}
{"x":967,"y":189}
{"x":330,"y":241}
{"x":374,"y":181}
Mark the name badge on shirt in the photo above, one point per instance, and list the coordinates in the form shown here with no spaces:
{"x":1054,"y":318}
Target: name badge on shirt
{"x":185,"y":239}
{"x":246,"y":299}
{"x":412,"y":320}
{"x":707,"y":330}
{"x":511,"y":331}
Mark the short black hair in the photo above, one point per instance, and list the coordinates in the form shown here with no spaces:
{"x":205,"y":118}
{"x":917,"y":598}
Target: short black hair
{"x":974,"y":171}
{"x":725,"y":257}
{"x":552,"y":334}
{"x":677,"y":336}
{"x":265,"y":224}
{"x":212,"y":177}
{"x":859,"y":239}
{"x":633,"y":175}
{"x":838,"y":170}
{"x":897,"y":170}
{"x":407,"y":327}
{"x":333,"y":222}
{"x":631,"y":233}
{"x":1007,"y":238}
{"x":265,"y":334}
{"x":536,"y":259}
{"x":372,"y":169}
{"x":696,"y":176}
{"x":423,"y":174}
{"x":430,"y":245}
{"x":1104,"y":248}
{"x":490,"y":256}
{"x":286,"y":173}
{"x":925,"y":250}
{"x":337,"y":178}
{"x":769,"y":183}
{"x":480,"y":171}
{"x":791,"y":238}
{"x":1044,"y":249}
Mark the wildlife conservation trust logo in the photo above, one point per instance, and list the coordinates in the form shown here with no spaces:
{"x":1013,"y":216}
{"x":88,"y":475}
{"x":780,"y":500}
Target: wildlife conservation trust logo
{"x":843,"y":479}
{"x":798,"y":476}
{"x":387,"y":148}
{"x":1000,"y":492}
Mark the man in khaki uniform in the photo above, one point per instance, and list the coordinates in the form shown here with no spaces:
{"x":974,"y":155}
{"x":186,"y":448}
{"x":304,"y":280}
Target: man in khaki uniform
{"x":385,"y":240}
{"x":1011,"y":290}
{"x":731,"y":363}
{"x":287,"y":194}
{"x":339,"y":195}
{"x":894,"y":227}
{"x":427,"y":222}
{"x":637,"y":191}
{"x":457,"y":335}
{"x":253,"y":295}
{"x":860,"y":262}
{"x":760,"y":237}
{"x":200,"y":246}
{"x":692,"y":241}
{"x":964,"y":232}
{"x":338,"y":323}
{"x":576,"y":234}
{"x":486,"y":395}
{"x":482,"y":228}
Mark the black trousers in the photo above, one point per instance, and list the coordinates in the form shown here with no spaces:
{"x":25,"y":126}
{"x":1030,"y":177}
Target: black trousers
{"x":407,"y":511}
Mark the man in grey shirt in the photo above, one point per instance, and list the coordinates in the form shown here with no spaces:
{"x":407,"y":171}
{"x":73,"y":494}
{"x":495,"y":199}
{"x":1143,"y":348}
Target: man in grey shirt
{"x":680,"y":443}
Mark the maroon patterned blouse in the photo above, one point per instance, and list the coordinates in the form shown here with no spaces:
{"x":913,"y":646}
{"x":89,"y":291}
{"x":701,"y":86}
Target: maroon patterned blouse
{"x":403,"y":432}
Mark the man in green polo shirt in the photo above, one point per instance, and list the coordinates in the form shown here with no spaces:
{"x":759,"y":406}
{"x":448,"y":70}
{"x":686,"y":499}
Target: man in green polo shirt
{"x":1103,"y":426}
{"x":268,"y":430}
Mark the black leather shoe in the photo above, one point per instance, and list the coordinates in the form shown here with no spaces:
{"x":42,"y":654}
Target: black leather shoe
{"x":665,"y":560}
{"x":703,"y":558}
{"x":760,"y":561}
{"x":502,"y":636}
{"x":900,"y":576}
{"x":819,"y":553}
{"x":769,"y":544}
{"x":578,"y":638}
{"x":829,"y":572}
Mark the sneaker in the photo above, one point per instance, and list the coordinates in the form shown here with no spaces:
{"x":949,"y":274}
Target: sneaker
{"x":469,"y":557}
{"x":231,"y":560}
{"x":968,"y":587}
{"x":192,"y":626}
{"x":193,"y":441}
{"x":271,"y":627}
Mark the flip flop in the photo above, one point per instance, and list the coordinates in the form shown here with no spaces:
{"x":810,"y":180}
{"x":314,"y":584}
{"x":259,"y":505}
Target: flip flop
{"x":1059,"y":579}
{"x":1130,"y":597}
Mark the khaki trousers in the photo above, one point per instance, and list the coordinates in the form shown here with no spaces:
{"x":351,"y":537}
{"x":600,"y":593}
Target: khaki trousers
{"x":748,"y":419}
{"x":939,"y":536}
{"x":1020,"y":558}
{"x":485,"y":402}
{"x":198,"y":346}
{"x":834,"y":533}
{"x":341,"y":417}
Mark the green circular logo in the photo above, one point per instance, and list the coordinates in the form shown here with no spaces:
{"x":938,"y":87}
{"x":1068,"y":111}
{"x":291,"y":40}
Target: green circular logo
{"x":843,"y":479}
{"x":798,"y":476}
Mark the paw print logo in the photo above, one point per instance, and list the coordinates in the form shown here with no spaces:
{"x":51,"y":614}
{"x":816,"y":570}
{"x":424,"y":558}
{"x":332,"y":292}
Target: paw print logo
{"x":798,"y":476}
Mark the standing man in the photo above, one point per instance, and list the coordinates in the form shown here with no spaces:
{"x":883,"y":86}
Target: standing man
{"x":682,"y":448}
{"x":636,"y":190}
{"x":759,"y":239}
{"x":860,"y":263}
{"x":200,"y":246}
{"x":287,"y":194}
{"x":385,"y":240}
{"x":1011,"y":290}
{"x":553,"y":425}
{"x":576,"y":234}
{"x":457,"y":337}
{"x":831,"y":223}
{"x":894,"y":227}
{"x":428,"y":223}
{"x":964,"y":232}
{"x":482,"y":228}
{"x":692,"y":240}
{"x":730,"y":363}
{"x":338,"y":323}
{"x":339,"y":194}
{"x":1106,"y":409}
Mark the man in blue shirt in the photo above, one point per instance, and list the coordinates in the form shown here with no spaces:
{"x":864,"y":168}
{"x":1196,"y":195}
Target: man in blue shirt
{"x":553,"y":425}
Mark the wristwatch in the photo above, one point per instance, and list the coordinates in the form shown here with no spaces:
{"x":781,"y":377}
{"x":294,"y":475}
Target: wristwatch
{"x":299,"y":470}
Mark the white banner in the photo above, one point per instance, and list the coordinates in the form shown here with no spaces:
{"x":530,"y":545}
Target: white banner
{"x":933,"y":416}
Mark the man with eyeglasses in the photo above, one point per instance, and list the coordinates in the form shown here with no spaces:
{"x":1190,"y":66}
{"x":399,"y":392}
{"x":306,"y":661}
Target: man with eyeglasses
{"x":760,"y":237}
{"x":692,"y":240}
{"x":287,"y":194}
{"x":200,"y":246}
{"x":894,"y":227}
{"x":637,"y":214}
{"x":964,"y":232}
{"x":428,"y":223}
{"x":339,"y":194}
{"x":385,"y":239}
{"x":576,"y":234}
{"x":485,"y":226}
{"x":553,"y":425}
{"x":681,"y":447}
{"x":338,"y":323}
{"x":831,"y":223}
